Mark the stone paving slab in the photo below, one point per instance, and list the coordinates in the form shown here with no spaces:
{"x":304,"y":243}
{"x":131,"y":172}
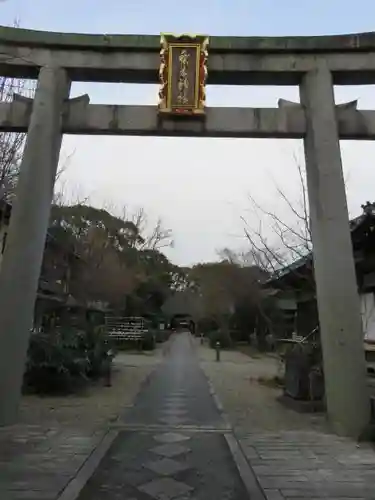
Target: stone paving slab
{"x":174,"y":448}
{"x":42,"y":454}
{"x":37,"y":463}
{"x":294,"y":456}
{"x":178,"y":393}
{"x":291,"y":465}
{"x":181,"y":460}
{"x":202,"y":468}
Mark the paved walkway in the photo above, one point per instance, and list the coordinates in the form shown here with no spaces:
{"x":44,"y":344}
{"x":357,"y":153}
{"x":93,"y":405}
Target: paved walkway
{"x":174,"y":443}
{"x":296,"y":465}
{"x":55,"y":436}
{"x":294,"y":456}
{"x":37,"y":463}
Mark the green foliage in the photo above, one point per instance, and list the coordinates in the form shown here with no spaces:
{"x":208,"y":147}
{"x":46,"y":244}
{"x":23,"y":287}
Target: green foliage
{"x":62,"y":360}
{"x":55,"y":361}
{"x":96,"y":346}
{"x":238,"y":335}
{"x":75,"y":223}
{"x":221,"y":336}
{"x":230,"y":296}
{"x":122,"y":267}
{"x":207,"y":325}
{"x":158,"y":277}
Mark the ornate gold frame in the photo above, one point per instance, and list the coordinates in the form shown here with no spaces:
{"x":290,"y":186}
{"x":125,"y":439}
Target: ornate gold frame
{"x":168,"y":41}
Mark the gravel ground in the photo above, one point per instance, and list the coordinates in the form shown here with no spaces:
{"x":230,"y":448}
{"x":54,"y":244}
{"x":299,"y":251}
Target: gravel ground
{"x":252,"y":406}
{"x":98,"y":405}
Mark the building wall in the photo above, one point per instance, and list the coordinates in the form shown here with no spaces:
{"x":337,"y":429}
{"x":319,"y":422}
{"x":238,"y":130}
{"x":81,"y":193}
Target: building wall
{"x":368,"y":315}
{"x":307,"y":317}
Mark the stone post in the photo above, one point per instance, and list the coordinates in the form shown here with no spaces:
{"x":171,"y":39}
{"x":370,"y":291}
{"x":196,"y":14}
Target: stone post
{"x":337,"y":296}
{"x":23,"y":255}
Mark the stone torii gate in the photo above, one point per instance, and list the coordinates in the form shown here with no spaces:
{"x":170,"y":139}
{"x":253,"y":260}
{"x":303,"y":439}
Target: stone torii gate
{"x":315,"y":64}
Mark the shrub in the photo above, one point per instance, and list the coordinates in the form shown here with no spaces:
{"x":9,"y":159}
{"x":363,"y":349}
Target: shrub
{"x":62,"y":360}
{"x":97,"y":345}
{"x":221,"y":336}
{"x":56,"y":361}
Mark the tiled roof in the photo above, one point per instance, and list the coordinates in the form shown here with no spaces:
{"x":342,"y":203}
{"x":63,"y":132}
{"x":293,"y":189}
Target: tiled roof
{"x":368,"y":211}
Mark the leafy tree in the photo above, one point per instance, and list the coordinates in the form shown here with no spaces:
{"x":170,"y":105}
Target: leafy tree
{"x":119,"y":267}
{"x":230,"y":293}
{"x":158,"y":278}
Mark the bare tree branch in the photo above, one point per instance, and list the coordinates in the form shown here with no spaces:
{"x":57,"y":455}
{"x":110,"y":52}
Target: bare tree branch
{"x":291,"y":237}
{"x":146,"y":236}
{"x":12,"y":143}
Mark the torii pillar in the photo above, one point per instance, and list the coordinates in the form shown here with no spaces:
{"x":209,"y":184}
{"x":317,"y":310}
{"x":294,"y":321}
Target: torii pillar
{"x":347,"y":395}
{"x":23,"y":255}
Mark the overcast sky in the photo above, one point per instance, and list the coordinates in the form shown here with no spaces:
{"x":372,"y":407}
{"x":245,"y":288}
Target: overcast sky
{"x":200,"y":187}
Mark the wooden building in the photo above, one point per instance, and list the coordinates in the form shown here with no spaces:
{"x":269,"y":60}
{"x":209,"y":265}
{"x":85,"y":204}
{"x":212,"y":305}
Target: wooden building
{"x":294,"y":286}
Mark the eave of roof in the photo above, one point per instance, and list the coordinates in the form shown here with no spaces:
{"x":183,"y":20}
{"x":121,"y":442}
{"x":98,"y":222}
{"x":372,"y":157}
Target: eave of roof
{"x":354,"y":224}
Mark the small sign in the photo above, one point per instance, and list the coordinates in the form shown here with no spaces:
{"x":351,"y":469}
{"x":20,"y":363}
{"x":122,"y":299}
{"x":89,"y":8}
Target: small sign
{"x":183,"y":74}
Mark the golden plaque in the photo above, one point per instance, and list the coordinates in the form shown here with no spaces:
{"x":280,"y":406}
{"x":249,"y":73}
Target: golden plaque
{"x":183,"y":74}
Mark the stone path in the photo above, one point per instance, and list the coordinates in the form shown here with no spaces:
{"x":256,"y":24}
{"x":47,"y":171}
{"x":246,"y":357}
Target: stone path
{"x":295,"y":465}
{"x":174,"y":443}
{"x":294,"y":456}
{"x":55,"y":436}
{"x":37,"y":463}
